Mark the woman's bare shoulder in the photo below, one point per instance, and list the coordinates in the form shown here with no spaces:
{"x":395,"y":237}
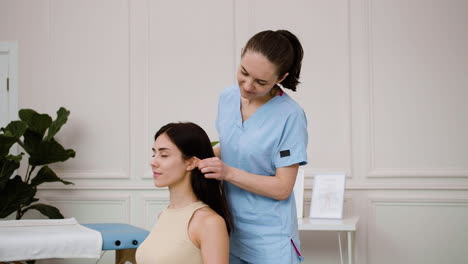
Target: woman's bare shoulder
{"x":206,"y":217}
{"x":205,"y":223}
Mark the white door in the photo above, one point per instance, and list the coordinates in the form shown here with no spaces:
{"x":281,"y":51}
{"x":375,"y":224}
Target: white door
{"x":8,"y":82}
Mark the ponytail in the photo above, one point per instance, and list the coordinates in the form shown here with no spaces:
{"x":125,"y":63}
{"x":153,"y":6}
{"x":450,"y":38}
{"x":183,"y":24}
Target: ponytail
{"x":292,"y":80}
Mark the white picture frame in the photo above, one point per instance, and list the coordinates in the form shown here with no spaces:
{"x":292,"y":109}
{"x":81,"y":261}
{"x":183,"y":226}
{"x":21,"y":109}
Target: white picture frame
{"x":328,"y":196}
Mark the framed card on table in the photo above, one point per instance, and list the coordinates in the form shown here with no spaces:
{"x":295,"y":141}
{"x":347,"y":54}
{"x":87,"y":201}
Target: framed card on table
{"x":328,"y":196}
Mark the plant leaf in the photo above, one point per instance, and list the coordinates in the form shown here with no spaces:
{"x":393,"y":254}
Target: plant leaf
{"x":6,"y":141}
{"x":47,"y":152}
{"x":213,"y":143}
{"x":44,"y":152}
{"x":47,"y":210}
{"x":36,"y":122}
{"x":45,"y":174}
{"x":31,"y":141}
{"x":62,"y":117}
{"x":8,"y":165}
{"x":16,"y":128}
{"x":16,"y":195}
{"x":11,"y":134}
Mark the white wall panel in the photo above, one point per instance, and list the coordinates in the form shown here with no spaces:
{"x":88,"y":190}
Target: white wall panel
{"x":90,"y":76}
{"x":406,"y":231}
{"x":91,"y":207}
{"x":418,"y":88}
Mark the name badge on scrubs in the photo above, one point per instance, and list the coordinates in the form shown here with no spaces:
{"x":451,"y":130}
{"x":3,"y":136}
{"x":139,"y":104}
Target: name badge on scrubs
{"x":285,"y":153}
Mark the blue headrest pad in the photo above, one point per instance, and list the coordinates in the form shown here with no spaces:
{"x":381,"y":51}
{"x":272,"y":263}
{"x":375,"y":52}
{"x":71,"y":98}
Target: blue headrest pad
{"x":119,"y":236}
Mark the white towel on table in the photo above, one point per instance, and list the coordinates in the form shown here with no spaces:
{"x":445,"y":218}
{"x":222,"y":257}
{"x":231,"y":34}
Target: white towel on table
{"x":43,"y":239}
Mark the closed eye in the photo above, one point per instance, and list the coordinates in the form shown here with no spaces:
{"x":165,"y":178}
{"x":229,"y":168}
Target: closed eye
{"x":161,"y":154}
{"x":259,"y":81}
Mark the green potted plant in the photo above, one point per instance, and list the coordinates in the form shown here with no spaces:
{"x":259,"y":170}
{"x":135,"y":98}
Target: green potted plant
{"x":34,"y":134}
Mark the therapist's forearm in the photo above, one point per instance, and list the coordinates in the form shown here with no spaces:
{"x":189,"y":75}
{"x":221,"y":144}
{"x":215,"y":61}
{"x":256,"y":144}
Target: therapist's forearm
{"x":274,"y":187}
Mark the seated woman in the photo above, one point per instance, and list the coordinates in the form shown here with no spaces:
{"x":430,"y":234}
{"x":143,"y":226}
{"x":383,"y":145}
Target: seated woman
{"x":195,"y":226}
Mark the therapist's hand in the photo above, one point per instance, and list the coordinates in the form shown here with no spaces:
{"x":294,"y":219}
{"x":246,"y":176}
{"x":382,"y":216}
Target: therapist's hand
{"x":214,"y":168}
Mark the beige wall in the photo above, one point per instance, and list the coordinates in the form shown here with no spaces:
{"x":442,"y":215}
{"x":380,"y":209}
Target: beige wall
{"x":384,"y":87}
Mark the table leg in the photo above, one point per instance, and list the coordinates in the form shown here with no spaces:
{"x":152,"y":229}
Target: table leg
{"x":341,"y":248}
{"x":123,"y":255}
{"x":350,"y":247}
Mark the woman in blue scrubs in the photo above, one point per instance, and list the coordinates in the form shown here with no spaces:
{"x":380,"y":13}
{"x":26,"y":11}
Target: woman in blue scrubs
{"x":263,"y":141}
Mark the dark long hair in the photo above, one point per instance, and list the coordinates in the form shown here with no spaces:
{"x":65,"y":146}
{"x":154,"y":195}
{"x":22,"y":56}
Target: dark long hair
{"x":193,"y":141}
{"x":283,"y":49}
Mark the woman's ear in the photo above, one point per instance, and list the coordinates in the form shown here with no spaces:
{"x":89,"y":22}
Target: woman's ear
{"x":284,"y":77}
{"x":191,"y":163}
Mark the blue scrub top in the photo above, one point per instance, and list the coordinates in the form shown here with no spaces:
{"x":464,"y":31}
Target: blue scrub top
{"x":274,"y":136}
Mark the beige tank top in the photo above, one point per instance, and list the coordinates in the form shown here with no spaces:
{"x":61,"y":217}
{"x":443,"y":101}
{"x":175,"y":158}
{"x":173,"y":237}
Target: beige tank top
{"x":168,"y":241}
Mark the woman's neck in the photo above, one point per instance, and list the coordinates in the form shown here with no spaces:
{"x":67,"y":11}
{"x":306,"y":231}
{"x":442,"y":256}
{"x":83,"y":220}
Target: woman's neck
{"x":248,"y":107}
{"x":181,"y":196}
